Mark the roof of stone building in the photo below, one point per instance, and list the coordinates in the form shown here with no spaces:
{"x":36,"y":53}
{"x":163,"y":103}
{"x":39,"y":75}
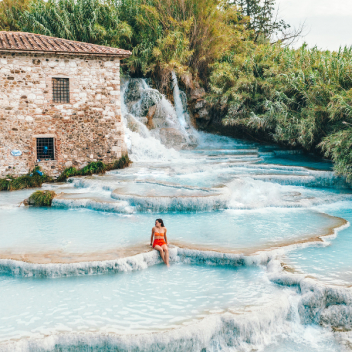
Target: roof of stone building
{"x":30,"y":42}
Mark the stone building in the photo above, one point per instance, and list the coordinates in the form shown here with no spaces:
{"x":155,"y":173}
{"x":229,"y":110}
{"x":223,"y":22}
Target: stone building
{"x":59,"y":103}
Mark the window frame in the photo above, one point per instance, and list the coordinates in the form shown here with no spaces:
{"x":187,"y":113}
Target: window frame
{"x":36,"y":147}
{"x":63,"y":93}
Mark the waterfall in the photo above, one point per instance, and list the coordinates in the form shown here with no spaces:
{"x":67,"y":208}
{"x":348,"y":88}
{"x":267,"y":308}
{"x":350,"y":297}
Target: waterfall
{"x":178,"y":102}
{"x":182,"y":115}
{"x":154,"y":128}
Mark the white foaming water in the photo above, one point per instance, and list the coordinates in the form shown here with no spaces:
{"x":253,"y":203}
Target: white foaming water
{"x":141,"y":144}
{"x":178,"y":102}
{"x":214,"y":193}
{"x":321,"y":304}
{"x":149,"y":149}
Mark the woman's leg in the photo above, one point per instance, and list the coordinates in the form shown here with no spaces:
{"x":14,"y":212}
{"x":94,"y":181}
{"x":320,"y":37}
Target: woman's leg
{"x":166,"y":254}
{"x":161,"y":251}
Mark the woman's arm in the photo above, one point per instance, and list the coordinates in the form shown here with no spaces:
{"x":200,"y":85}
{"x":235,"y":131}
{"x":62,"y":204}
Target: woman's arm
{"x":151,"y":237}
{"x":166,"y":237}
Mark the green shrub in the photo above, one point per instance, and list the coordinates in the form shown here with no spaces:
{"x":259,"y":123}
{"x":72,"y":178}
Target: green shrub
{"x":121,"y":163}
{"x":338,"y":147}
{"x":31,"y":180}
{"x":41,"y":198}
{"x":69,"y":172}
{"x":95,"y":167}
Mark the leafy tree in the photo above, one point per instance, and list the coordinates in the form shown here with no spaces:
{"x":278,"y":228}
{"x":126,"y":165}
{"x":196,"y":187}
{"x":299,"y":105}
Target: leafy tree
{"x":261,"y":16}
{"x":185,"y":36}
{"x":264,"y":21}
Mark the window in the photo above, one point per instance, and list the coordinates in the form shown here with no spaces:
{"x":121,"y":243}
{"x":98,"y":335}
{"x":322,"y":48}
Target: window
{"x":45,"y":149}
{"x":61,"y":90}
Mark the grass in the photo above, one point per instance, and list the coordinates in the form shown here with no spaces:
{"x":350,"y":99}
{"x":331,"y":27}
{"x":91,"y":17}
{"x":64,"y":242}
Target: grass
{"x":41,"y":198}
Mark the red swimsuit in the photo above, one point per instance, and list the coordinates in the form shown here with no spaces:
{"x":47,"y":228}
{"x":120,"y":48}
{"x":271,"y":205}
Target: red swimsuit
{"x":158,"y":239}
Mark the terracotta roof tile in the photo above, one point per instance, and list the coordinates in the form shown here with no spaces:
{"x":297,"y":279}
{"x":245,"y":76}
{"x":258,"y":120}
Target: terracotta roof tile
{"x":30,"y":42}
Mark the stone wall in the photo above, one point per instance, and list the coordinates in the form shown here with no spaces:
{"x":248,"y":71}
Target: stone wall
{"x":89,"y":128}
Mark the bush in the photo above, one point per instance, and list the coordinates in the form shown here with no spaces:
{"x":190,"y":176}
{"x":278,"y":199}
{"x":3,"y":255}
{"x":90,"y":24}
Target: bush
{"x":69,"y":172}
{"x":41,"y":198}
{"x":338,"y":146}
{"x":123,"y":162}
{"x":95,"y":167}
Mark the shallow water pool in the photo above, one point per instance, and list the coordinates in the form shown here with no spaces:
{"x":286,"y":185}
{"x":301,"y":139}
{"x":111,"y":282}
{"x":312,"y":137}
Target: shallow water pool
{"x":332,"y":263}
{"x":42,"y":230}
{"x":147,"y":300}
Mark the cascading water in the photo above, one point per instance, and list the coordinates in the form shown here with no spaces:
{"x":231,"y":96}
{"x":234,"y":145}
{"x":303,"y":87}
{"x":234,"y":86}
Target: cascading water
{"x":259,"y":247}
{"x":178,"y":103}
{"x":167,"y":129}
{"x":182,"y":114}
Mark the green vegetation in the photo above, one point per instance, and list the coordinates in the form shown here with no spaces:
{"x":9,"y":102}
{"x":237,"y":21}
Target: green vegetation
{"x":298,"y":98}
{"x":235,"y":49}
{"x":121,"y":163}
{"x":95,"y":167}
{"x":185,"y":36}
{"x":338,"y":146}
{"x":11,"y":11}
{"x":90,"y":21}
{"x":41,"y":198}
{"x":31,"y":180}
{"x":68,"y":172}
{"x":34,"y":179}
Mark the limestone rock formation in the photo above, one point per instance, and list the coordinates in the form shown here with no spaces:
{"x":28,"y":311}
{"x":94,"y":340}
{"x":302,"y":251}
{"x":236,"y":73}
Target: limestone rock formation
{"x":150,"y":98}
{"x":173,"y":138}
{"x":139,"y":99}
{"x":199,"y":107}
{"x":133,"y":91}
{"x":136,"y":125}
{"x":150,"y":115}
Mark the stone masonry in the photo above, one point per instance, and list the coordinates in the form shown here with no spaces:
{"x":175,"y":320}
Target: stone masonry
{"x":88,"y":128}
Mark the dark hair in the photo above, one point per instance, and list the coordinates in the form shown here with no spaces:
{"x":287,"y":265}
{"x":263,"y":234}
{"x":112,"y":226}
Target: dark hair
{"x":161,"y":222}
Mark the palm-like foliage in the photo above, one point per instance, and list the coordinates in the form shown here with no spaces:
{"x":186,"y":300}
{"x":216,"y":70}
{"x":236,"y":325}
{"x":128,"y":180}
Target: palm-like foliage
{"x":91,"y":21}
{"x":338,"y":146}
{"x":10,"y":13}
{"x":297,"y":97}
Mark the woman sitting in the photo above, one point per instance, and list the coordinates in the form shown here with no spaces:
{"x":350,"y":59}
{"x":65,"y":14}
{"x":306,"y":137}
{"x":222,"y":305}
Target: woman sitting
{"x":160,"y":240}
